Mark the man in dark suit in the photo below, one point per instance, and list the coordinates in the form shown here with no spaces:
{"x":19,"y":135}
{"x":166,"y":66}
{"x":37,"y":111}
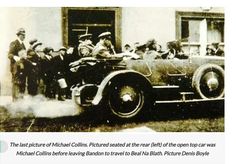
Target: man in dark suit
{"x":65,"y":69}
{"x":17,"y":55}
{"x":48,"y":73}
{"x":59,"y":69}
{"x":33,"y":67}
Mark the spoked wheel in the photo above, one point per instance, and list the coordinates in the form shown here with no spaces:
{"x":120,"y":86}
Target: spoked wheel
{"x":126,"y":99}
{"x":208,"y":81}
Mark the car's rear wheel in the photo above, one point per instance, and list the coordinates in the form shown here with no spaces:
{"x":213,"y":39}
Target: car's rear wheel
{"x":208,"y":81}
{"x":127,"y":99}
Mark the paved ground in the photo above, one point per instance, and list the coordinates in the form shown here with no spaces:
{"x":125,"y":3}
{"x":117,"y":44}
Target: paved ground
{"x":41,"y":115}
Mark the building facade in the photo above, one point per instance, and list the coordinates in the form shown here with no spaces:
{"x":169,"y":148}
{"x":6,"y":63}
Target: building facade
{"x":194,"y":27}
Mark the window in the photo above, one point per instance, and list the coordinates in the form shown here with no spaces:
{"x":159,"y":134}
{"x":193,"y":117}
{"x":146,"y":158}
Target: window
{"x":215,"y":30}
{"x":197,"y":30}
{"x":78,"y":21}
{"x":190,"y":30}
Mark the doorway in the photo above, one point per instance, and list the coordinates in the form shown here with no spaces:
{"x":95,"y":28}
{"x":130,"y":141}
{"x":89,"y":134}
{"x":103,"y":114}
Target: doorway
{"x":78,"y":21}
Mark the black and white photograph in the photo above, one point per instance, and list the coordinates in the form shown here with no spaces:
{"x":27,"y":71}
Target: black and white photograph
{"x":112,"y":69}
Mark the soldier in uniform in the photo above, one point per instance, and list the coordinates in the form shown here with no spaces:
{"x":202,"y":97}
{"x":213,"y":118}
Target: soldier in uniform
{"x":33,"y":67}
{"x":86,"y":38}
{"x":104,"y":48}
{"x":86,"y":46}
{"x":17,"y":55}
{"x":83,"y":49}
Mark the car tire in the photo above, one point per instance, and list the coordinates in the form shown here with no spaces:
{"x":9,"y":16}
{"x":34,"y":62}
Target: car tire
{"x":128,"y":99}
{"x":208,"y":81}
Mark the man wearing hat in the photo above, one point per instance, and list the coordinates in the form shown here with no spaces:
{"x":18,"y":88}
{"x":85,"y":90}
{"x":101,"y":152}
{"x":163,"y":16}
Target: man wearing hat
{"x":17,"y":55}
{"x":140,"y":49}
{"x":174,"y":51}
{"x":82,"y":49}
{"x":104,"y":48}
{"x":68,"y":75}
{"x":48,"y":72}
{"x":210,"y":50}
{"x":85,"y":38}
{"x":151,"y":53}
{"x":127,"y":48}
{"x":217,"y":50}
{"x":33,"y":67}
{"x":60,"y":66}
{"x":85,"y":46}
{"x":31,"y":42}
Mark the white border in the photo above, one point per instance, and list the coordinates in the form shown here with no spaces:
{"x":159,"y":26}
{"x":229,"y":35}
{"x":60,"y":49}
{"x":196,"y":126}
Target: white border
{"x":123,"y":3}
{"x":230,"y":111}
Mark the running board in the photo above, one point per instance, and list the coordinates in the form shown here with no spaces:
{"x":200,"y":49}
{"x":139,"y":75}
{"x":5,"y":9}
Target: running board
{"x":187,"y":101}
{"x":165,"y":86}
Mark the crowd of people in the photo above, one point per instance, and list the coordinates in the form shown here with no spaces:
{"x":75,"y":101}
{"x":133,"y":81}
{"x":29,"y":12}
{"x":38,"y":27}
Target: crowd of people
{"x":151,"y":50}
{"x":29,"y":69}
{"x":38,"y":70}
{"x":214,"y":49}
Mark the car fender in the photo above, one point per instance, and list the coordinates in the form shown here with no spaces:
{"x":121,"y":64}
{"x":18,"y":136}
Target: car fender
{"x":104,"y":85}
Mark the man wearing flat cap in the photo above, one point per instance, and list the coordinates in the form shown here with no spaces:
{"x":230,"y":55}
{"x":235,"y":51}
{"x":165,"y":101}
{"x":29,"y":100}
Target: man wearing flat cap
{"x":104,"y":48}
{"x":31,"y":42}
{"x":33,"y":67}
{"x":48,"y":73}
{"x":17,"y":55}
{"x":60,"y":68}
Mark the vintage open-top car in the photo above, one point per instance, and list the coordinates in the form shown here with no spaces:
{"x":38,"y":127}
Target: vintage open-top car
{"x":128,"y":87}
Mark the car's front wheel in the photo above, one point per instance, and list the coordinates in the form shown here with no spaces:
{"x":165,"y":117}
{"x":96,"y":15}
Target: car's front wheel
{"x":127,"y":99}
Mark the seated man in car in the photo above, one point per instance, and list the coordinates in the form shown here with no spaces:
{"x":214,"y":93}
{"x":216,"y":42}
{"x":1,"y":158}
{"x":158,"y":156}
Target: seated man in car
{"x":174,"y":51}
{"x":104,"y":48}
{"x":210,"y":50}
{"x":151,"y":53}
{"x":85,"y":46}
{"x":218,"y":51}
